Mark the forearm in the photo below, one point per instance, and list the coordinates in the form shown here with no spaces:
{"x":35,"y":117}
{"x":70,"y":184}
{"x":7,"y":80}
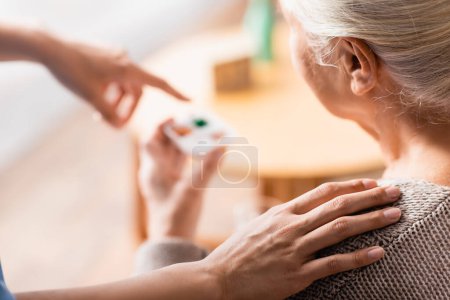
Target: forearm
{"x":153,"y":255}
{"x":22,"y":43}
{"x":182,"y":281}
{"x":179,"y":220}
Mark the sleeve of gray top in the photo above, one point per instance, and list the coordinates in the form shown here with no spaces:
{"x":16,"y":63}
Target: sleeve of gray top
{"x":155,"y":255}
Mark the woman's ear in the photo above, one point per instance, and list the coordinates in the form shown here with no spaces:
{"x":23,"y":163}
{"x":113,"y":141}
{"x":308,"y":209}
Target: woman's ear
{"x":360,"y":63}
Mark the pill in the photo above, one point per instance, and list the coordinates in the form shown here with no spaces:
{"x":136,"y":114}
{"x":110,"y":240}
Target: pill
{"x":200,"y":122}
{"x":182,"y":130}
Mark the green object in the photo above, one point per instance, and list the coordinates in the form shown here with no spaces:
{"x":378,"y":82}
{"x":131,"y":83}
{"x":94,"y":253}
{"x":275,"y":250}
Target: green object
{"x":200,"y":122}
{"x":260,"y":21}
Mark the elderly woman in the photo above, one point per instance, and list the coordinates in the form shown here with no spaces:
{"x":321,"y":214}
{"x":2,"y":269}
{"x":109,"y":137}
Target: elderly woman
{"x":386,"y":65}
{"x":276,"y":248}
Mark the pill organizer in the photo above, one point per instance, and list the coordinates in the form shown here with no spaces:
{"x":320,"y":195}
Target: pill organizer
{"x":197,"y":129}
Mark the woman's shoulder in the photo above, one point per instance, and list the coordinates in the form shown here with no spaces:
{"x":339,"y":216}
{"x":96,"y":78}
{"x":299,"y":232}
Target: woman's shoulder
{"x":416,"y":250}
{"x":419,"y":200}
{"x":415,"y":191}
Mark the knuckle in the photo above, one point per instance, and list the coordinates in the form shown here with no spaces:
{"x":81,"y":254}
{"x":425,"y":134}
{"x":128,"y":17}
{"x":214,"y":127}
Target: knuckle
{"x":341,"y":227}
{"x":377,"y":195}
{"x":287,"y":229}
{"x":296,"y":205}
{"x":358,"y":259}
{"x":278,"y":210}
{"x":357,"y":185}
{"x":271,"y":214}
{"x":292,"y":206}
{"x":123,"y":64}
{"x":273,"y":211}
{"x":340,"y":203}
{"x":333,"y":265}
{"x":122,"y":53}
{"x":117,"y":52}
{"x":378,"y":218}
{"x":327,"y":188}
{"x":304,"y":243}
{"x":303,"y":223}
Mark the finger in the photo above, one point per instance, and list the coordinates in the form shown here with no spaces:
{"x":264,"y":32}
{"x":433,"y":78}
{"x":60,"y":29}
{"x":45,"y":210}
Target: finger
{"x":349,"y":204}
{"x":324,"y":267}
{"x":121,"y":111}
{"x":328,"y":191}
{"x":345,"y":227}
{"x":112,"y":94}
{"x":126,"y":110}
{"x":172,"y":148}
{"x":162,"y":127}
{"x":157,"y":82}
{"x":159,"y":139}
{"x":173,"y":151}
{"x":106,"y":112}
{"x":108,"y":102}
{"x":105,"y":104}
{"x":177,"y":159}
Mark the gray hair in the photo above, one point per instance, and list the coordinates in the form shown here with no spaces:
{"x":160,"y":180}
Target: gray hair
{"x":411,"y":37}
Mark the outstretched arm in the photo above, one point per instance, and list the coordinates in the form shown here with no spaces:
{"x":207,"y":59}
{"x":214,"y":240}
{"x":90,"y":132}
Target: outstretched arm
{"x":105,"y":78}
{"x":18,"y":43}
{"x":182,"y":281}
{"x":272,"y":257}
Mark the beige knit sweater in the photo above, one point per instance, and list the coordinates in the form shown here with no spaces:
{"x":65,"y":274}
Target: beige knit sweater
{"x":417,"y":260}
{"x":416,"y":265}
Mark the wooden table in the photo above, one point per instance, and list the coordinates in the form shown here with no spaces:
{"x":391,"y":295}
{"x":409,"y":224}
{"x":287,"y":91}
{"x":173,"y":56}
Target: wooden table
{"x":299,"y":143}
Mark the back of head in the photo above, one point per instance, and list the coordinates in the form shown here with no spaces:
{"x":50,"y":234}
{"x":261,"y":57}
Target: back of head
{"x":412,"y":39}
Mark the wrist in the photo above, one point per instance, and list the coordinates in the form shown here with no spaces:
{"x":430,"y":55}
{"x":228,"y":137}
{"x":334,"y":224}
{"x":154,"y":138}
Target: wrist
{"x":25,"y":43}
{"x":211,"y":280}
{"x":47,"y":48}
{"x":166,"y":224}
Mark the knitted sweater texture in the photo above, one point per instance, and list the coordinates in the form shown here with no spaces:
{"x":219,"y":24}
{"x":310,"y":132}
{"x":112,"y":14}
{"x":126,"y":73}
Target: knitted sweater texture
{"x":417,"y":260}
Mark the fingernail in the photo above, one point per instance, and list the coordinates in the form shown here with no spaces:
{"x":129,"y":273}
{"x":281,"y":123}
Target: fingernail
{"x":393,"y":192}
{"x":369,"y":183}
{"x":392,"y":213}
{"x":375,"y":253}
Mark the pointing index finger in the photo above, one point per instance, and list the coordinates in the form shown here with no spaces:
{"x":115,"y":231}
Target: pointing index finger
{"x":159,"y":83}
